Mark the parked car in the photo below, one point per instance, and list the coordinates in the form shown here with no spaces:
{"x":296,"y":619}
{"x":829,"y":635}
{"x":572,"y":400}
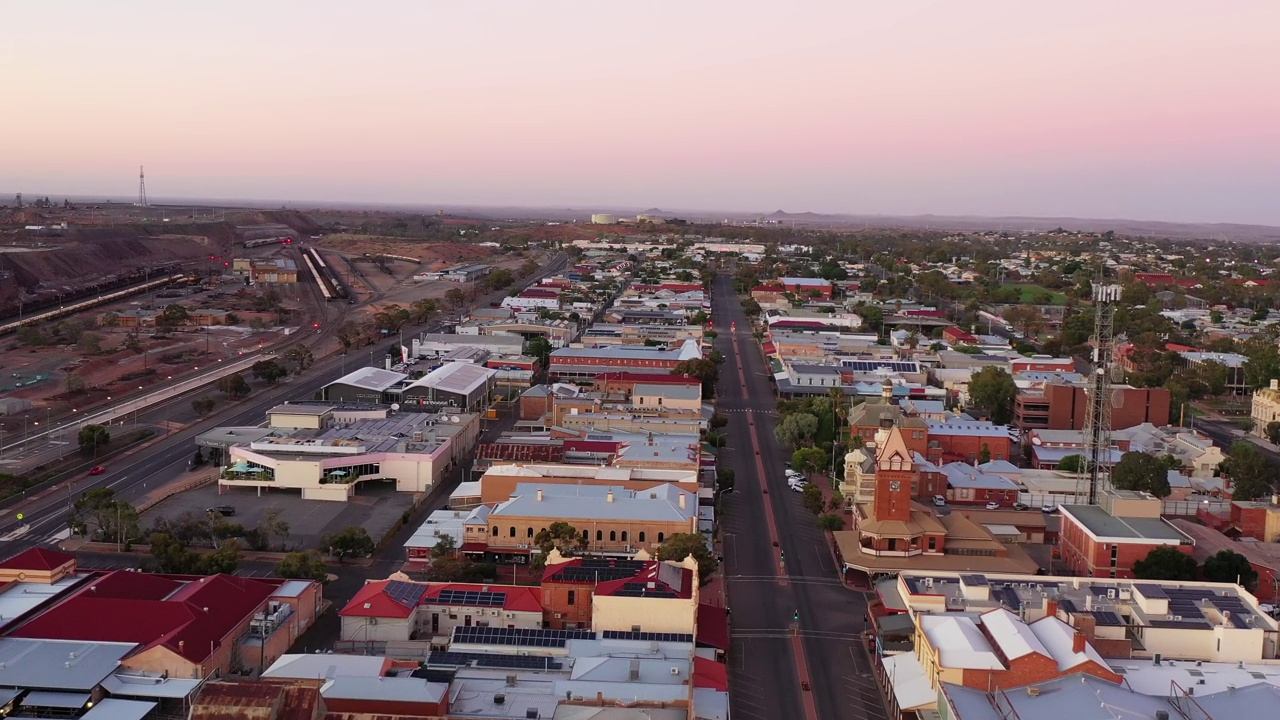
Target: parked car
{"x":97,"y":470}
{"x":1049,"y":509}
{"x":993,"y":506}
{"x":223,"y":510}
{"x":797,"y":488}
{"x":939,"y":501}
{"x":1021,"y":506}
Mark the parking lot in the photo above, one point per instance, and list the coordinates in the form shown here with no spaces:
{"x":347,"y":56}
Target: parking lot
{"x":375,"y":507}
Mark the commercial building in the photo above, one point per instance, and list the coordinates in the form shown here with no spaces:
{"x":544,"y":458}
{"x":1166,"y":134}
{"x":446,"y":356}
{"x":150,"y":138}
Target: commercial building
{"x":465,"y":273}
{"x":413,"y":450}
{"x":1265,"y":408}
{"x":365,"y":385}
{"x":806,"y":287}
{"x":586,"y":363}
{"x":1060,"y":406}
{"x":1233,"y":362}
{"x":570,"y":586}
{"x":454,"y":384}
{"x":500,"y":481}
{"x":401,"y":611}
{"x":1106,"y":540}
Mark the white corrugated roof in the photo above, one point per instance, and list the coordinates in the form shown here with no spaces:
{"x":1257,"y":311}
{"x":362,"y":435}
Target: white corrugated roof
{"x":911,"y":687}
{"x":456,"y":377}
{"x":1059,"y":638}
{"x":370,"y":378}
{"x":959,"y":642}
{"x":1011,"y":635}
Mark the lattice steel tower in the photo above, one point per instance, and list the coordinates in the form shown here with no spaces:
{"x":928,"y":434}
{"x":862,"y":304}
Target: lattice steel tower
{"x":142,"y":188}
{"x":1097,"y":423}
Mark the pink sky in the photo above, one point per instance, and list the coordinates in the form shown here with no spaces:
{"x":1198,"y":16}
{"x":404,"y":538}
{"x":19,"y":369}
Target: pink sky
{"x":1142,"y":109}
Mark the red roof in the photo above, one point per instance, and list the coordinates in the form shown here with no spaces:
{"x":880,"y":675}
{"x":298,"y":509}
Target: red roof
{"x":538,"y":293}
{"x":373,"y":601}
{"x":713,"y":626}
{"x":708,"y":673}
{"x":657,"y":577}
{"x":190,"y":616}
{"x":1153,"y":278}
{"x":518,"y":598}
{"x":37,"y":559}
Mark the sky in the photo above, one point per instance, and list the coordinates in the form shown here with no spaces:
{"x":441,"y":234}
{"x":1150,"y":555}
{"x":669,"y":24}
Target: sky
{"x":1143,"y":109}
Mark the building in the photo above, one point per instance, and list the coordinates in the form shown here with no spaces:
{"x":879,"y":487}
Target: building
{"x":413,"y":450}
{"x":1265,"y":408}
{"x":177,"y":625}
{"x":1106,"y":540}
{"x":807,"y":287}
{"x":586,"y":363}
{"x":1060,"y":406}
{"x":967,"y":441}
{"x":500,"y":481}
{"x":277,"y":270}
{"x":465,"y":273}
{"x":612,"y":520}
{"x":365,"y":385}
{"x":570,"y":587}
{"x":1263,"y":557}
{"x":401,"y":611}
{"x":1233,"y":362}
{"x":455,"y":384}
{"x":625,"y":383}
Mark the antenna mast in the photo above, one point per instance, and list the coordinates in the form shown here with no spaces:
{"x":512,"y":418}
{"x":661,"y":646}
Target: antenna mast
{"x":142,"y":188}
{"x":1097,"y":423}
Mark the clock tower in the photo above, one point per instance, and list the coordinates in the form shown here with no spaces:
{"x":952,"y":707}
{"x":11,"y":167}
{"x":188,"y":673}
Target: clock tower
{"x":895,"y":470}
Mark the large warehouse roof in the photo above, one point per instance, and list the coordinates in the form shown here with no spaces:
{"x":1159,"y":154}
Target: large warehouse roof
{"x":458,"y":378}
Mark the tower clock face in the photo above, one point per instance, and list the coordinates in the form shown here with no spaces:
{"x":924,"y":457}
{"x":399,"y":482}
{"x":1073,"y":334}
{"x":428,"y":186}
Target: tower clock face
{"x":894,"y":486}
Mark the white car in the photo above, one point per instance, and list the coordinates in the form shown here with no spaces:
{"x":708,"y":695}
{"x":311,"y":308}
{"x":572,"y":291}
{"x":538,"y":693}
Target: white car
{"x":797,"y":488}
{"x":993,"y":506}
{"x":794,"y":473}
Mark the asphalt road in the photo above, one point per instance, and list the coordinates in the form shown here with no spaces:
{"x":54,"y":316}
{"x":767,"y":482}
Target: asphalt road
{"x":768,"y":586}
{"x":45,"y":519}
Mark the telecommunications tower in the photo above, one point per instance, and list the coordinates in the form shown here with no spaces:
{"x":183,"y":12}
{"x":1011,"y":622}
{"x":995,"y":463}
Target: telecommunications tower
{"x":142,"y":188}
{"x":1097,"y":423}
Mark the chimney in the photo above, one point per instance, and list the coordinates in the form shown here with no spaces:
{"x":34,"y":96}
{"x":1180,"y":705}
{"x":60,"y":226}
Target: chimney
{"x":182,"y":646}
{"x":1077,"y":642}
{"x":682,"y":501}
{"x":1050,"y":607}
{"x":634,"y":674}
{"x":608,"y":496}
{"x":387,"y":362}
{"x":539,"y":494}
{"x":1275,"y":384}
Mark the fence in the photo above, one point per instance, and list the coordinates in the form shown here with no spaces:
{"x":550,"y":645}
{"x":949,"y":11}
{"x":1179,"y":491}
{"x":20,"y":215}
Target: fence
{"x":170,"y":490}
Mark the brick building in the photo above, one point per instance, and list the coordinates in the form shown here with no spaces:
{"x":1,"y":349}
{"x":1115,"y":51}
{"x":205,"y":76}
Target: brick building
{"x":1106,"y":540}
{"x":587,"y":363}
{"x":568,"y":587}
{"x":1060,"y":406}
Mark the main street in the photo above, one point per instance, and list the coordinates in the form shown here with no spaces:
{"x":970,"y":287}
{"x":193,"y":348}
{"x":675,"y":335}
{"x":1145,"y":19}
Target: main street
{"x":772,"y":653}
{"x":131,"y":477}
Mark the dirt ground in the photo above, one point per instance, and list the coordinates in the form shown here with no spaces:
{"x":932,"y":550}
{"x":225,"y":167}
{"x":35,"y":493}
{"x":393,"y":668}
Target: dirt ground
{"x":434,"y":256}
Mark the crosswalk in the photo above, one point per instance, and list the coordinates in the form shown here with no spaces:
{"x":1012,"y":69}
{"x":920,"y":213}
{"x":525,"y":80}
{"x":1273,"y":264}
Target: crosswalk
{"x":746,"y":410}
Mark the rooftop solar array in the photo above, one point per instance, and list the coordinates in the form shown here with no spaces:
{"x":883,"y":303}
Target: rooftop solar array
{"x":1068,"y":604}
{"x":1106,"y":617}
{"x":647,"y":636}
{"x":489,"y":660}
{"x":1183,"y":624}
{"x":1151,"y":591}
{"x":1008,"y":597}
{"x":974,"y":580}
{"x":523,"y":637}
{"x":403,"y":593}
{"x":584,"y":574}
{"x":873,"y":365}
{"x":472,"y":598}
{"x":639,"y":589}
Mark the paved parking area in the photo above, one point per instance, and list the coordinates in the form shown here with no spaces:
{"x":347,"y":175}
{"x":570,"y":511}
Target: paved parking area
{"x":375,"y":507}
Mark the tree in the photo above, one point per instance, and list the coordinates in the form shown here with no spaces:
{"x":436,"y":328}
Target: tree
{"x":171,"y":555}
{"x":751,"y":307}
{"x":796,"y":428}
{"x":99,"y":514}
{"x":203,"y":405}
{"x":529,"y":267}
{"x":456,"y":297}
{"x":541,"y":348}
{"x":90,"y":343}
{"x":391,"y":318}
{"x":992,"y":389}
{"x":307,"y":565}
{"x":703,"y":369}
{"x":499,"y":279}
{"x":268,"y":370}
{"x":725,"y":480}
{"x":301,"y":357}
{"x":351,"y":541}
{"x":444,"y":547}
{"x":814,"y":502}
{"x":424,"y":309}
{"x":1228,"y":566}
{"x":233,"y":385}
{"x":92,"y":438}
{"x":831,"y":522}
{"x":173,"y":315}
{"x":459,"y":569}
{"x":1165,"y":563}
{"x":681,"y":545}
{"x":1142,"y":472}
{"x":272,"y":525}
{"x":223,"y":560}
{"x":1072,"y":464}
{"x":809,"y":459}
{"x":1273,"y":432}
{"x":1262,"y":365}
{"x":1252,"y":475}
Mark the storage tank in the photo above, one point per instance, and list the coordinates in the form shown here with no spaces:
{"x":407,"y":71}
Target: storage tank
{"x":603,"y":219}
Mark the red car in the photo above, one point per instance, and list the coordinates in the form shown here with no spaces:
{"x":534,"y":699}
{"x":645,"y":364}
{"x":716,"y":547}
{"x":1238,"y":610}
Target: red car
{"x":97,"y":470}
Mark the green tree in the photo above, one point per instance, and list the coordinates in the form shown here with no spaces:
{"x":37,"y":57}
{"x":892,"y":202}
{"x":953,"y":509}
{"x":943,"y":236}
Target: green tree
{"x":171,"y":555}
{"x":541,"y":348}
{"x":203,"y":405}
{"x":1165,"y":563}
{"x":223,"y":560}
{"x":444,"y":547}
{"x":271,"y":526}
{"x":1262,"y":365}
{"x":872,"y":317}
{"x":992,"y":389}
{"x":233,"y":385}
{"x":1228,"y":566}
{"x":809,"y":459}
{"x":174,"y":315}
{"x":725,"y":479}
{"x":301,"y":357}
{"x":424,"y":309}
{"x":499,"y":279}
{"x":681,"y":545}
{"x":90,"y":343}
{"x":307,"y":565}
{"x":559,"y":536}
{"x":1252,"y":474}
{"x":351,"y":541}
{"x":831,"y":522}
{"x":1273,"y":432}
{"x":391,"y":318}
{"x":529,"y":267}
{"x":1141,"y":472}
{"x":704,"y":369}
{"x":459,"y":569}
{"x":99,"y":514}
{"x":92,"y":438}
{"x":751,"y":307}
{"x":456,"y":297}
{"x":796,"y":429}
{"x":814,"y":502}
{"x":268,"y":370}
{"x":1072,"y":464}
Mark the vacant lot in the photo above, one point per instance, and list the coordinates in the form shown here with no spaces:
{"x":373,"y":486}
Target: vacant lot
{"x":1037,"y":295}
{"x":376,"y":508}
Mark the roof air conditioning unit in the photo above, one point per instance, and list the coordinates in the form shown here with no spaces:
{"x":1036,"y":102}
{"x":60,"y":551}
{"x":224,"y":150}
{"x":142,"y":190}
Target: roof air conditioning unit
{"x":373,"y":621}
{"x":559,"y":616}
{"x":1111,"y":593}
{"x":675,"y":671}
{"x":499,"y":699}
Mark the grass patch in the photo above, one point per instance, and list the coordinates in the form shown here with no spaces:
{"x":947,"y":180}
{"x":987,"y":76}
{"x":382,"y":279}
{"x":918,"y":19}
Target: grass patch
{"x":1036,"y":295}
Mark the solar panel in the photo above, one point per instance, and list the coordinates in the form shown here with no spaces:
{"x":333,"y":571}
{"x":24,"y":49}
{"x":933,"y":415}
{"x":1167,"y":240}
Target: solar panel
{"x":639,"y":589}
{"x":472,"y":598}
{"x":581,"y":574}
{"x":1068,"y":605}
{"x":974,"y":580}
{"x":1009,"y":597}
{"x":403,"y":593}
{"x":524,"y":637}
{"x":492,"y":660}
{"x":1106,"y":617}
{"x":647,"y":636}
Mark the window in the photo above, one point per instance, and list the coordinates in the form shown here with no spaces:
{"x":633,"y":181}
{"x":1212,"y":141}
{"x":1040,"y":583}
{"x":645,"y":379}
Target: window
{"x":661,"y":537}
{"x":530,"y":532}
{"x":641,"y":536}
{"x":599,"y":535}
{"x":613,"y":535}
{"x":513,"y":531}
{"x":572,"y":596}
{"x":495,"y":531}
{"x":624,"y":536}
{"x":933,"y":543}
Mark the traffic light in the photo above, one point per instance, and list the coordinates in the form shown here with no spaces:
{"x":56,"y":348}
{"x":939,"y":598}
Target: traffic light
{"x":796,"y":616}
{"x":315,"y":325}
